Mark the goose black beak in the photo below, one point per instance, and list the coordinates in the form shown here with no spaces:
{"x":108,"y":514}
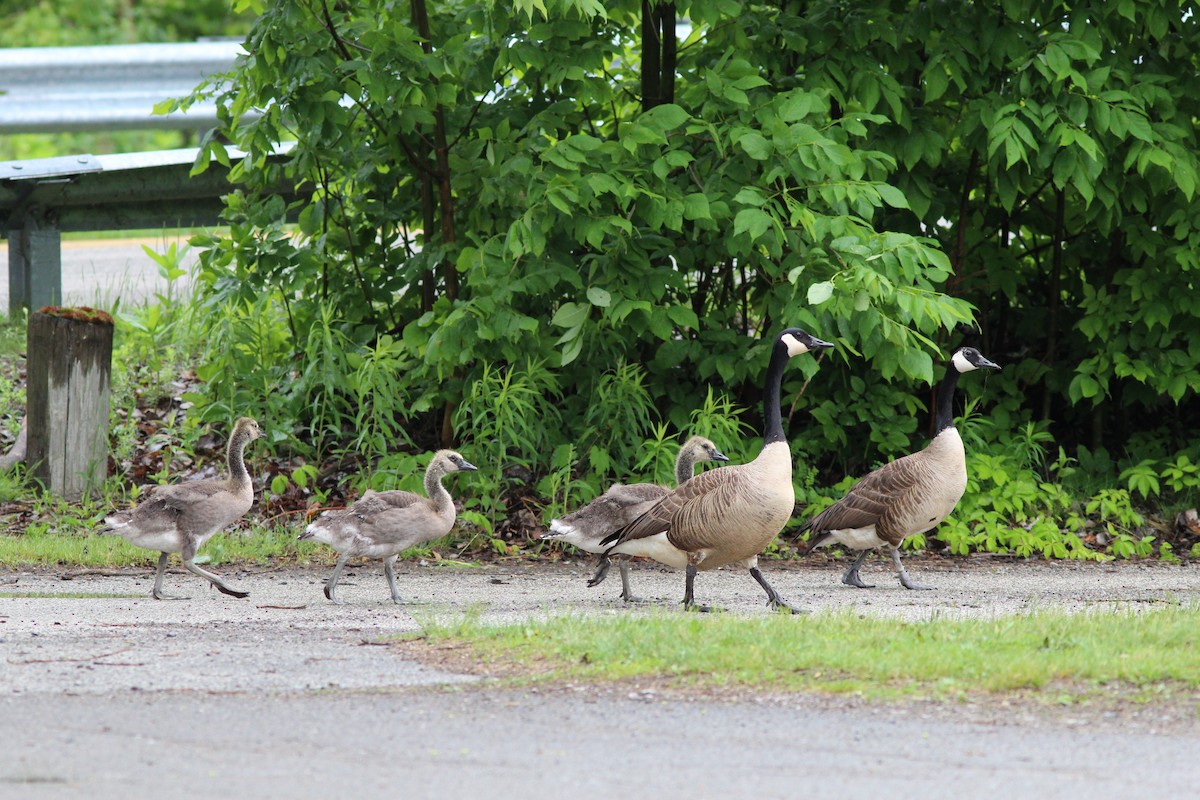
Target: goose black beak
{"x":467,"y":466}
{"x":984,"y":363}
{"x":717,"y":455}
{"x":821,"y":344}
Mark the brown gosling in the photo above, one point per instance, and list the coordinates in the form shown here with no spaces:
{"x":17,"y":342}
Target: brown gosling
{"x":182,"y":517}
{"x":384,"y":524}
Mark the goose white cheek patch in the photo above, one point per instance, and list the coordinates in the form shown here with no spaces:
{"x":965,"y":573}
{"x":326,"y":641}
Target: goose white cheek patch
{"x":795,"y":347}
{"x":962,"y":364}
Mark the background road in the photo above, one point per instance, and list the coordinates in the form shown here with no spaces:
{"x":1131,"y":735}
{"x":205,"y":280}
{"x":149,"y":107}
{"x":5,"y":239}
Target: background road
{"x":96,"y":272}
{"x":107,"y":693}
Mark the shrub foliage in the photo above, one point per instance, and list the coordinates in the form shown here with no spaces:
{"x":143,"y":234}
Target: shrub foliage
{"x":589,"y":214}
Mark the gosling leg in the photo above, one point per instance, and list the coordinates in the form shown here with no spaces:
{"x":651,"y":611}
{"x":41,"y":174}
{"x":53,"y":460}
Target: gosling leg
{"x":850,"y":576}
{"x":157,"y":593}
{"x":602,"y":567}
{"x":331,"y":584}
{"x":389,"y":569}
{"x":774,"y":599}
{"x":626,"y":592}
{"x":905,"y":581}
{"x":215,"y":580}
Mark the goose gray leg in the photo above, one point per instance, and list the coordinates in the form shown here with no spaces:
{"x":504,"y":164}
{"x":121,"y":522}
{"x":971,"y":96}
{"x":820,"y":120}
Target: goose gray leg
{"x":157,"y":593}
{"x":905,"y":581}
{"x":331,"y":584}
{"x":626,"y":592}
{"x":689,"y":604}
{"x":213,"y":579}
{"x":389,"y":569}
{"x":602,"y":567}
{"x":850,"y":576}
{"x":774,"y":599}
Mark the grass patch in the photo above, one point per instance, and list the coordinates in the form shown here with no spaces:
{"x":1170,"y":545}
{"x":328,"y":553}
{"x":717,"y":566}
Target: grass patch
{"x":255,"y":546}
{"x":1073,"y":654}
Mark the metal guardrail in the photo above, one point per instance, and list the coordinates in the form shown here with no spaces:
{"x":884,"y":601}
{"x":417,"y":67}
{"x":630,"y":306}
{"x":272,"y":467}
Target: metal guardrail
{"x":109,"y":87}
{"x":42,"y":198}
{"x":58,"y":89}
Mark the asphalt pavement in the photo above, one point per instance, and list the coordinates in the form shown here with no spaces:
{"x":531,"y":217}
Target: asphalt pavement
{"x":107,"y":693}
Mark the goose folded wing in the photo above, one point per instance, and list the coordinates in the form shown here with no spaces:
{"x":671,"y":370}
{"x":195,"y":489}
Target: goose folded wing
{"x":689,"y":503}
{"x":867,"y":500}
{"x":181,"y":496}
{"x":634,"y":493}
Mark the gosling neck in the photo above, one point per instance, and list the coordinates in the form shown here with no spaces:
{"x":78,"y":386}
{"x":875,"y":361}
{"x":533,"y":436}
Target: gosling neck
{"x":235,"y":458}
{"x":685,"y":465}
{"x":434,"y":488}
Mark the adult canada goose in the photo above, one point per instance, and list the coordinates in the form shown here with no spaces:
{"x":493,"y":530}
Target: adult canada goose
{"x":182,"y":517}
{"x":622,"y":504}
{"x":907,"y":496}
{"x":384,"y":524}
{"x":728,"y":515}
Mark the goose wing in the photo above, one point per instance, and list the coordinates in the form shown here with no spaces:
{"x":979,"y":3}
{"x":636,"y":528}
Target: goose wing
{"x":696,"y":514}
{"x":400,"y":517}
{"x":869,"y":499}
{"x":181,"y":495}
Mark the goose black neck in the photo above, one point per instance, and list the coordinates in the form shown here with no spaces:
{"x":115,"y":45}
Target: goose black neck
{"x":772,"y":386}
{"x":945,"y":401}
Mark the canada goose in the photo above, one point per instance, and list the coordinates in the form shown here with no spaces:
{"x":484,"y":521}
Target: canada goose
{"x":182,"y":517}
{"x":907,"y":496}
{"x":384,"y":524}
{"x":622,"y":504}
{"x":727,"y":515}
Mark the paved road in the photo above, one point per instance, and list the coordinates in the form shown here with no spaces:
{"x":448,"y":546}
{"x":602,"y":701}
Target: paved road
{"x":96,"y":272}
{"x":106,"y":693}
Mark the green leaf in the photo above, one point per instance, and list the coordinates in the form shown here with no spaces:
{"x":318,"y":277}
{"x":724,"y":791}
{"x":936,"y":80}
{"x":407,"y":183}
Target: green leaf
{"x":756,"y":146}
{"x":819,"y":292}
{"x":891,"y":195}
{"x":665,"y":117}
{"x":598,"y":297}
{"x":754,"y":221}
{"x":695,"y":206}
{"x":570,"y":315}
{"x":936,"y":82}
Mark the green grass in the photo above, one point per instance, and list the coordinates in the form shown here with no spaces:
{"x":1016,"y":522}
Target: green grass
{"x":256,"y":546}
{"x":1072,"y":655}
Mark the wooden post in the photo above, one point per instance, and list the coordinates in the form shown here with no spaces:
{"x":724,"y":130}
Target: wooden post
{"x":69,"y":371}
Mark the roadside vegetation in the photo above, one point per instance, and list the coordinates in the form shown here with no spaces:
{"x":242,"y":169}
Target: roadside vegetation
{"x":551,"y":236}
{"x":1102,"y":657}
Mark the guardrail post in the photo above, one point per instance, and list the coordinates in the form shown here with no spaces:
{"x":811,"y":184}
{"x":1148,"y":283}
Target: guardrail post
{"x":34,"y":266}
{"x":69,"y":370}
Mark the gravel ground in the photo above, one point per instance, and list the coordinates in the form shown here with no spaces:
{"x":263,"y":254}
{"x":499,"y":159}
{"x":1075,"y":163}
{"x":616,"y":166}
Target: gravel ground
{"x":107,"y":693}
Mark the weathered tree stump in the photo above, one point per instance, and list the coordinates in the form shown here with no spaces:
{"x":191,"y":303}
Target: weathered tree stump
{"x":69,"y":372}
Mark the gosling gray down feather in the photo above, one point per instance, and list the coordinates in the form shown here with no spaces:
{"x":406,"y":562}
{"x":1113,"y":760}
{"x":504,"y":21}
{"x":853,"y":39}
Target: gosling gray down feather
{"x":910,"y":495}
{"x":182,"y":517}
{"x":384,"y":524}
{"x":622,"y":504}
{"x":729,"y":515}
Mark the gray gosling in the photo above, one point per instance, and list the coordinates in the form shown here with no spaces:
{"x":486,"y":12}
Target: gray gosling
{"x":622,"y":504}
{"x":384,"y":524}
{"x":910,"y":495}
{"x":182,"y":517}
{"x":728,"y":515}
